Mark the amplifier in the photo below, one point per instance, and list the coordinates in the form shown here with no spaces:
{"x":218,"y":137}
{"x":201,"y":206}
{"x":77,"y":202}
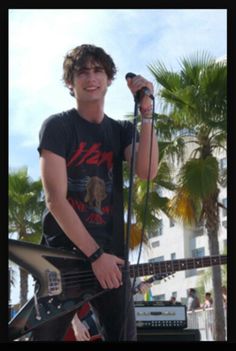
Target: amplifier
{"x":160,"y":314}
{"x":170,"y":335}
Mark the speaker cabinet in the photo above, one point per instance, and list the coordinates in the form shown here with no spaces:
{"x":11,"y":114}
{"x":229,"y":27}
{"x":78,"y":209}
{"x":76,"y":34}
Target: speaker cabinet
{"x":145,"y":334}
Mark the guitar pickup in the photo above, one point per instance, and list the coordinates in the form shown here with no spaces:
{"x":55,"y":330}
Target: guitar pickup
{"x":54,"y":283}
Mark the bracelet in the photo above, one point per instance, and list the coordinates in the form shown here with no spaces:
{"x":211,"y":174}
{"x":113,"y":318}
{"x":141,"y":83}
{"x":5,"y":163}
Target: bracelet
{"x":146,"y":120}
{"x":95,"y":255}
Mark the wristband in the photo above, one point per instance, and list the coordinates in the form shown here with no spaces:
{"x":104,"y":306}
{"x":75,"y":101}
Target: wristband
{"x":146,"y":120}
{"x":95,"y":255}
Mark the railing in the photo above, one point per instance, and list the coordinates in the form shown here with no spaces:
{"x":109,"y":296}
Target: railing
{"x":203,"y":320}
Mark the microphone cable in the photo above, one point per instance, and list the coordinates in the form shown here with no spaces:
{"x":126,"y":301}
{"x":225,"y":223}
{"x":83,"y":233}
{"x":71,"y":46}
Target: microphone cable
{"x":144,"y":218}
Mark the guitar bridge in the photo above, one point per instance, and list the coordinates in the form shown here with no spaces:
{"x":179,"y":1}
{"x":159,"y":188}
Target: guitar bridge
{"x":54,"y":283}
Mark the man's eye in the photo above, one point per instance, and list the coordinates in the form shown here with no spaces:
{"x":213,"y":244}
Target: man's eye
{"x":79,"y":72}
{"x":99,"y":69}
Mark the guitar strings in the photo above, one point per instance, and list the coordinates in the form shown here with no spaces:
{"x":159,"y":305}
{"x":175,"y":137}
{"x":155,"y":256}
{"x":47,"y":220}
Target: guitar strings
{"x":87,"y":277}
{"x":72,"y":279}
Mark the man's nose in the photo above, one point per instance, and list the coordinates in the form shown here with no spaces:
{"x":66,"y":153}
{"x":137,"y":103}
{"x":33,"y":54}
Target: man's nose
{"x":91,"y":74}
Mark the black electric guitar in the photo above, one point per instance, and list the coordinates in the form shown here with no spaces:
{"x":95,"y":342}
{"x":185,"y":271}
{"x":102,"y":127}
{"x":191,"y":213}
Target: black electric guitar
{"x":65,"y":281}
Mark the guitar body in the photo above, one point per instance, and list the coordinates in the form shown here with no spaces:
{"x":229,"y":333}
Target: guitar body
{"x":87,"y":315}
{"x":65,"y":281}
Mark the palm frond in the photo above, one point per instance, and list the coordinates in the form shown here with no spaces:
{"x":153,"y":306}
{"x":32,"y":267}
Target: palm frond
{"x":200,"y":176}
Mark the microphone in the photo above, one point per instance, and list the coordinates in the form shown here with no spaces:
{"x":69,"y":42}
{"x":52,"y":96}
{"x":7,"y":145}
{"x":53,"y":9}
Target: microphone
{"x":142,"y":91}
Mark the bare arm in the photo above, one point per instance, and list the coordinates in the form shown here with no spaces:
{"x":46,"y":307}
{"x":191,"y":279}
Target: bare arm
{"x":143,"y":147}
{"x":54,"y":178}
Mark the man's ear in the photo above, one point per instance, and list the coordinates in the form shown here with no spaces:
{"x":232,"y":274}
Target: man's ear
{"x":109,"y":82}
{"x":69,"y":86}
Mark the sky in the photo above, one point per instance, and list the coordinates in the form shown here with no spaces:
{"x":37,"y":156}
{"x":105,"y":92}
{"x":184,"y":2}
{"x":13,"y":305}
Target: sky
{"x":40,"y":38}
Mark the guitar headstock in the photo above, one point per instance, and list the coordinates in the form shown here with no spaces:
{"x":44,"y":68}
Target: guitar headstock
{"x":160,"y":276}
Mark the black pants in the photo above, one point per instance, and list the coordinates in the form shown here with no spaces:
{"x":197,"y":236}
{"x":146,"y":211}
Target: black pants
{"x":110,"y":308}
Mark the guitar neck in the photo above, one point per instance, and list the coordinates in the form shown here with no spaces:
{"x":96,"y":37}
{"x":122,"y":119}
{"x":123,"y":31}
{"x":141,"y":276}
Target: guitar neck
{"x":170,"y":266}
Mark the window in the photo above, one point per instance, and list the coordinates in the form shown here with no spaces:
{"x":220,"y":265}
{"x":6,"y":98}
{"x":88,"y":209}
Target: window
{"x":155,"y":243}
{"x":160,"y":228}
{"x":185,"y":132}
{"x":156,"y":259}
{"x":199,"y":229}
{"x":223,"y":163}
{"x":173,"y":256}
{"x":160,"y":297}
{"x":199,"y":252}
{"x":152,"y":234}
{"x":158,"y":232}
{"x":172,"y":223}
{"x":225,"y":244}
{"x":224,"y":224}
{"x":224,"y":210}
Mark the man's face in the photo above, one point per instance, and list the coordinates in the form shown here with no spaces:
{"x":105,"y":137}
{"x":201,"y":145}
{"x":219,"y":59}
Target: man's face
{"x":90,"y":82}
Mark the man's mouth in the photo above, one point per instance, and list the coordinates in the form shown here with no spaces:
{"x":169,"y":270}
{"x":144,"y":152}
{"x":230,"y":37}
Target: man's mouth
{"x":91,"y":88}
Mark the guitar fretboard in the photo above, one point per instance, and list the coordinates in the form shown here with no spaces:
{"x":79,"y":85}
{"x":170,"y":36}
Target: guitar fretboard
{"x":176,"y":265}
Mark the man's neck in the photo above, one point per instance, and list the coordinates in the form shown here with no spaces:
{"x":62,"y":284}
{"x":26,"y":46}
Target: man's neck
{"x":92,"y":112}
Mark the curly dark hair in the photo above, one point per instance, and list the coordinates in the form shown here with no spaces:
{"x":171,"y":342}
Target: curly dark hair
{"x":77,"y":58}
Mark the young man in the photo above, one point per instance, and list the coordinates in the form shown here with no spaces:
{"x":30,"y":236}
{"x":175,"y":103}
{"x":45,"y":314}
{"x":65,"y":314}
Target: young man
{"x":81,"y":155}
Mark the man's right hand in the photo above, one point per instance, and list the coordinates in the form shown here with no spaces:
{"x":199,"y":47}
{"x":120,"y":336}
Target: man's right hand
{"x":107,"y":271}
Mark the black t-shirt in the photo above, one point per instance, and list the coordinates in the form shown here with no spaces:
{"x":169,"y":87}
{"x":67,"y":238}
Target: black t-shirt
{"x":94,"y":155}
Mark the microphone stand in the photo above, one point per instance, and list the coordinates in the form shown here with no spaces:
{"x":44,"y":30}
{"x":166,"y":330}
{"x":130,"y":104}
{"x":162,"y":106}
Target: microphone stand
{"x":127,"y":242}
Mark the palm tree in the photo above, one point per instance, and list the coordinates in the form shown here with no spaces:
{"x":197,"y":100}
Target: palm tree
{"x":148,"y":202}
{"x":25,"y":212}
{"x":195,"y":98}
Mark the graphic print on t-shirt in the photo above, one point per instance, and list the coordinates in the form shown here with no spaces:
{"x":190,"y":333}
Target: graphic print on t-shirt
{"x":95,"y":193}
{"x":90,"y":183}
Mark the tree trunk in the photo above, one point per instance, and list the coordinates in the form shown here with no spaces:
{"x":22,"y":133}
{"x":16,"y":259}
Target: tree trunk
{"x":212,"y":224}
{"x":219,"y":320}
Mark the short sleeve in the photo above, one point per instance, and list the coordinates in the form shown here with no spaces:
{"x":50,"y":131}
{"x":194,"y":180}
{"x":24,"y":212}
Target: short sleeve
{"x":127,"y":134}
{"x":52,"y":136}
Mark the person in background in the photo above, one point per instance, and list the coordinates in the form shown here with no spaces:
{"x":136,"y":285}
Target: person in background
{"x":208,"y":301}
{"x":85,"y":326}
{"x":193,"y":301}
{"x":80,"y":329}
{"x":173,"y":300}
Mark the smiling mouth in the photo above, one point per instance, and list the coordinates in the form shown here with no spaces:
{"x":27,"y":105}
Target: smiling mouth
{"x":91,"y":89}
